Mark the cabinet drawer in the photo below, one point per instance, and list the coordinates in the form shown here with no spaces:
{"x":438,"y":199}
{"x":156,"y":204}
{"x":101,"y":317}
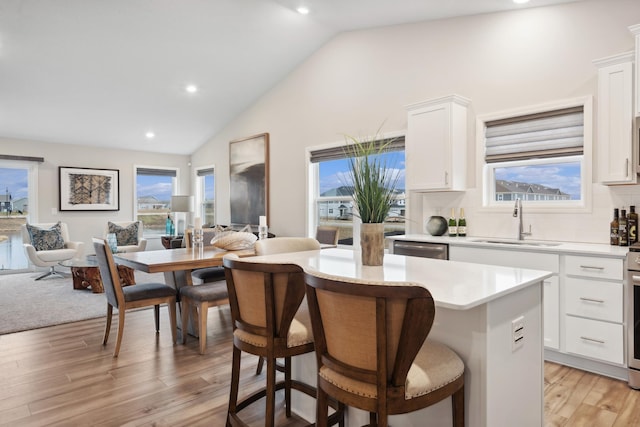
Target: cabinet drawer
{"x":594,"y":339}
{"x":595,"y":299}
{"x":604,"y":268}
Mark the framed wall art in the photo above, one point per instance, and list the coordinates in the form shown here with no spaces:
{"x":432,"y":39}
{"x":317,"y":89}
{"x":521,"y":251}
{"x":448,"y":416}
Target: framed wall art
{"x":84,"y":189}
{"x":249,"y":179}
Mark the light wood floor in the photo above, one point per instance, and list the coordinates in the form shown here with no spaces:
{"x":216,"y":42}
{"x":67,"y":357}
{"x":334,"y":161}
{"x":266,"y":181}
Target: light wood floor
{"x":63,"y":376}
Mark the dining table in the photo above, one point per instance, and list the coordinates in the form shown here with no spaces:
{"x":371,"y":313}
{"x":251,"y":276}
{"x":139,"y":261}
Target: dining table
{"x":177,"y":265}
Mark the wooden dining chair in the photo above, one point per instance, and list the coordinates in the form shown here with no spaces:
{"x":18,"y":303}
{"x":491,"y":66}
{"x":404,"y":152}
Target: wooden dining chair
{"x":130,"y":297}
{"x":268,"y":321}
{"x":327,"y":234}
{"x":372,"y":349}
{"x":209,"y":290}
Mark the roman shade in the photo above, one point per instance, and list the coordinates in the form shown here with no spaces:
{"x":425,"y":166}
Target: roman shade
{"x":337,"y":153}
{"x":555,"y":133}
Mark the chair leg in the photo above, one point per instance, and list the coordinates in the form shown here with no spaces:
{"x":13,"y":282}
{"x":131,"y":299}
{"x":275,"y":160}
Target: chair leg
{"x":156,"y":312}
{"x":260,"y":365}
{"x":107,"y":327}
{"x":184,"y":315}
{"x":322,"y":408}
{"x":457,"y":407}
{"x":287,"y":386}
{"x":52,"y":272}
{"x":172,"y":321}
{"x":269,"y":417}
{"x":202,"y":325}
{"x":121,"y":312}
{"x":235,"y":382}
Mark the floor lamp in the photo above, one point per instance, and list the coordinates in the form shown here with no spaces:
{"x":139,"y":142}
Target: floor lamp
{"x":180,"y":204}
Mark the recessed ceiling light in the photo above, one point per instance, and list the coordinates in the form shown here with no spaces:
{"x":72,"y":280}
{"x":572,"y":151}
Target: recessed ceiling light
{"x":520,"y":1}
{"x":150,"y":135}
{"x":191,"y":88}
{"x":302,"y":10}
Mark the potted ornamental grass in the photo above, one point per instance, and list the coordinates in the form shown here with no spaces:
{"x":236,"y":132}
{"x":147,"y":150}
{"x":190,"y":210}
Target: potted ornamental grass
{"x":373,"y":185}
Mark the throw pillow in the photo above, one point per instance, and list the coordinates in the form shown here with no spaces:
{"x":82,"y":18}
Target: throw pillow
{"x":46,"y":239}
{"x":234,"y":240}
{"x":125,"y":236}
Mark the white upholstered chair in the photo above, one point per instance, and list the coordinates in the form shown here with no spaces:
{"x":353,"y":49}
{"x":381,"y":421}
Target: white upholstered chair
{"x":48,"y":244}
{"x":136,"y":243}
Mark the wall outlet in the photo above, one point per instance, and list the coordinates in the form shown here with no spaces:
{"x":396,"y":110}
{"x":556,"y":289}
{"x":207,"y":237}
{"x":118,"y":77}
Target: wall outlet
{"x":54,"y":211}
{"x":517,"y":333}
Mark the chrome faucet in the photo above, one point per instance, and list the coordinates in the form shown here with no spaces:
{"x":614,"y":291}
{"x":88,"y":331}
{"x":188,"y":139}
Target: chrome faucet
{"x":517,"y":213}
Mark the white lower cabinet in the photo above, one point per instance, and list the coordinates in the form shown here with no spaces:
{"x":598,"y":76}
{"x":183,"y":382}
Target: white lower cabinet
{"x":593,"y":294}
{"x":583,"y":300}
{"x":524,"y":259}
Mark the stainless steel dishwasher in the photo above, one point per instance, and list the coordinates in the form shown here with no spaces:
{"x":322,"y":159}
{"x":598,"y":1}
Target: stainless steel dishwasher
{"x":421,"y":249}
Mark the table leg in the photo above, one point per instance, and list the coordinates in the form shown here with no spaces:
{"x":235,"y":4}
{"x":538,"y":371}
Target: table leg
{"x":178,"y":279}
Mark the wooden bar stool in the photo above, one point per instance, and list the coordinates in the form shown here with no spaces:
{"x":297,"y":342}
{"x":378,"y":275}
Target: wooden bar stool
{"x":268,"y":321}
{"x":372,"y":349}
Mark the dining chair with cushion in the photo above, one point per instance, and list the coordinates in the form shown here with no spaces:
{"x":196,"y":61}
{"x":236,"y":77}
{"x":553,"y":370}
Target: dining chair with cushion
{"x":130,"y":297}
{"x":209,"y":290}
{"x":372,"y":349}
{"x":268,"y":321}
{"x":47,"y":244}
{"x":128,"y":235}
{"x":327,"y":234}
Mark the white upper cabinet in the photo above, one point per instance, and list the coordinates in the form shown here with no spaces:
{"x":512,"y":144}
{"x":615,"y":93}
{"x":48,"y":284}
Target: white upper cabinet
{"x":635,"y":29}
{"x":436,"y":144}
{"x":615,"y":148}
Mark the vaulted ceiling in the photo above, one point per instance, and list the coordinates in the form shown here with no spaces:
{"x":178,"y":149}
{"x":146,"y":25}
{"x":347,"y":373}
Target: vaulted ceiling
{"x":105,"y":73}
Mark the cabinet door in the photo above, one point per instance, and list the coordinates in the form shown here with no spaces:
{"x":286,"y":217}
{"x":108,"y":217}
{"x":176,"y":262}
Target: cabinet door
{"x":522,"y":259}
{"x":428,"y":148}
{"x":551,"y":300}
{"x":436,"y":145}
{"x":616,"y":161}
{"x":635,"y":30}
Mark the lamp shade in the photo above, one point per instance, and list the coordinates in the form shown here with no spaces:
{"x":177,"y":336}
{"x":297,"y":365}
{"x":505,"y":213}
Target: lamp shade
{"x":182,"y":203}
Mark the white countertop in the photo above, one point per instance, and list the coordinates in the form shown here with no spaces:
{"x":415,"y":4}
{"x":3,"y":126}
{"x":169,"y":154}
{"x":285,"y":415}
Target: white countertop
{"x":453,"y":285}
{"x":558,"y":247}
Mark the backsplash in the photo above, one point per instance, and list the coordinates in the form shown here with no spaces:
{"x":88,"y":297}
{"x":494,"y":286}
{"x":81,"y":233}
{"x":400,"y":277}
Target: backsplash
{"x":585,"y":226}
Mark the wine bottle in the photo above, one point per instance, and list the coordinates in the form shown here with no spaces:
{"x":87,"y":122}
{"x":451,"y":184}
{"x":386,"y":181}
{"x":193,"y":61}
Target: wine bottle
{"x":167,"y":226}
{"x":632,"y":225}
{"x":614,"y":239}
{"x":462,"y":224}
{"x":453,"y":225}
{"x":623,"y":230}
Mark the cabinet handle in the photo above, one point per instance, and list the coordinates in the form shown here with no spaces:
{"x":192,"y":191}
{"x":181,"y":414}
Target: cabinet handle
{"x":592,"y":340}
{"x":446,"y":178}
{"x":599,"y":301}
{"x":635,"y":278}
{"x":626,"y":166}
{"x":591,"y":267}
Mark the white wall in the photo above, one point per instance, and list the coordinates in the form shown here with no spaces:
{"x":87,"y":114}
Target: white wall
{"x":85,"y":225}
{"x":362,"y":78}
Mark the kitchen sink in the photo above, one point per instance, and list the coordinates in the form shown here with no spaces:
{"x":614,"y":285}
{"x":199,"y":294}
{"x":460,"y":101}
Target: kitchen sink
{"x":516,"y":242}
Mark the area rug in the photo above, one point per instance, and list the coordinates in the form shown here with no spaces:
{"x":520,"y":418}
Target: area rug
{"x":29,"y":304}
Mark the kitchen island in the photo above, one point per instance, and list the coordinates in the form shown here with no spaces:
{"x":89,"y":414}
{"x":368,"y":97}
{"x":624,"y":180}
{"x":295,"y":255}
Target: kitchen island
{"x":477,"y":308}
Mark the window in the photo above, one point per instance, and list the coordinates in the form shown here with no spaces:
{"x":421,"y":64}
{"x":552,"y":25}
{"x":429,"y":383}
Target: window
{"x":538,"y":157}
{"x":154,"y":187}
{"x":205,"y":195}
{"x":18,"y":202}
{"x":331,"y":196}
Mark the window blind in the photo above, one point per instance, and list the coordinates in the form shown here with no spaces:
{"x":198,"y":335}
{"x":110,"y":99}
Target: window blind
{"x":205,"y":172}
{"x":336,"y":153}
{"x":156,"y":172}
{"x":542,"y":135}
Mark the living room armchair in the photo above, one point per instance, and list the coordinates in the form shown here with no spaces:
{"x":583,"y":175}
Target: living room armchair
{"x":48,"y":244}
{"x":128,"y":235}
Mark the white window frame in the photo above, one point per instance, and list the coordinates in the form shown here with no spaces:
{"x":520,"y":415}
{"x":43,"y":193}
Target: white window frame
{"x":486,"y":174}
{"x":175,"y":185}
{"x":199,"y":192}
{"x":313,"y":197}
